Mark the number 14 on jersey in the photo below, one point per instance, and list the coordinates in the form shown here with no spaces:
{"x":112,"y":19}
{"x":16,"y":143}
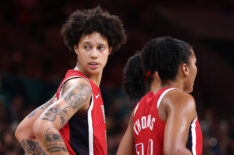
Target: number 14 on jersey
{"x":140,"y":148}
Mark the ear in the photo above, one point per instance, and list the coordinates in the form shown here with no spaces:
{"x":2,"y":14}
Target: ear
{"x":156,"y":76}
{"x":110,"y":50}
{"x":185,"y":69}
{"x":76,"y":49}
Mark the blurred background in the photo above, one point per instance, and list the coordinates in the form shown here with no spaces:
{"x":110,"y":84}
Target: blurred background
{"x":33,"y":61}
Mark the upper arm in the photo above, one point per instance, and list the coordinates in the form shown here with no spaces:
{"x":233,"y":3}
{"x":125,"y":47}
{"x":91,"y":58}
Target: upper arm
{"x":126,"y":146}
{"x":75,"y":97}
{"x":181,"y":111}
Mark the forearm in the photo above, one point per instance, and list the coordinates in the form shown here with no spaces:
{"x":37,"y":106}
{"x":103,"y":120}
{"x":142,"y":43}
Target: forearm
{"x":51,"y":141}
{"x":32,"y":147}
{"x":25,"y":129}
{"x":127,"y":144}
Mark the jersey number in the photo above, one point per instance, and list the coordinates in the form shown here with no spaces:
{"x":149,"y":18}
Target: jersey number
{"x":140,"y":148}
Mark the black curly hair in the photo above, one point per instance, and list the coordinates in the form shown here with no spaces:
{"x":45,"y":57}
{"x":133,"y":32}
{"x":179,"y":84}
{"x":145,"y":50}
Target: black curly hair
{"x":164,"y":55}
{"x":94,"y":20}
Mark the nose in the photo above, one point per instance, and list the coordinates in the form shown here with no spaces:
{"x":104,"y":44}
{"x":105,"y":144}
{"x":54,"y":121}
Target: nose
{"x":94,"y":53}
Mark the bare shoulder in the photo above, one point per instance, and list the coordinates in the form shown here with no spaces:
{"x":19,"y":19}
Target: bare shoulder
{"x":77,"y":92}
{"x":75,"y":83}
{"x":180,"y":101}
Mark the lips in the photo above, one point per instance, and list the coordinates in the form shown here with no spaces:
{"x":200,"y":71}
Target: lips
{"x":93,"y":65}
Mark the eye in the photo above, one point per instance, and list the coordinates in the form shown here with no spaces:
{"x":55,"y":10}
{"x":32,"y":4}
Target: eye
{"x":86,"y":47}
{"x":101,"y":48}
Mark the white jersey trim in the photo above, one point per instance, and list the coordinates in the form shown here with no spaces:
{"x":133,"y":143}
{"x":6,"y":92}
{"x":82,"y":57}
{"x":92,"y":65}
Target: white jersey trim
{"x":194,"y":136}
{"x":136,"y":108}
{"x":90,"y":123}
{"x":162,"y":95}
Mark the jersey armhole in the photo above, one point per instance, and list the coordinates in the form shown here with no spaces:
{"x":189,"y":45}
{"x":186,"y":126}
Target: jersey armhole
{"x":162,"y":95}
{"x":72,"y":77}
{"x":136,"y":108}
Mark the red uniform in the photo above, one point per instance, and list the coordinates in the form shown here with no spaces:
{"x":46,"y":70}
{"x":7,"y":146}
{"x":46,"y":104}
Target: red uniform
{"x":148,"y":128}
{"x":86,"y":134}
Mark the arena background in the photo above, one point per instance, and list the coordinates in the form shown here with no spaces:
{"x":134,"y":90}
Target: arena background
{"x":33,"y":61}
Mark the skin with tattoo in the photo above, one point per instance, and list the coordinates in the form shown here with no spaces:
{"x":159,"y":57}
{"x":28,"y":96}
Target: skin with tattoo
{"x":53,"y":141}
{"x":32,"y":147}
{"x":75,"y":97}
{"x":24,"y":132}
{"x":42,"y":107}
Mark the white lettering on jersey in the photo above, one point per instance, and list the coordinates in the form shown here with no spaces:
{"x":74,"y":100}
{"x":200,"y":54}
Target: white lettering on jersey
{"x":144,"y":123}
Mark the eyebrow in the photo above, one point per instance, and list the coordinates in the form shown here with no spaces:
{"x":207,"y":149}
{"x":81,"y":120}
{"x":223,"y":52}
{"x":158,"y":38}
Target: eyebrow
{"x":88,"y":42}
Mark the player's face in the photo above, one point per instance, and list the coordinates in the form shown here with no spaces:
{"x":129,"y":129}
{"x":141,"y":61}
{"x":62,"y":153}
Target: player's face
{"x":92,"y":52}
{"x":192,"y":73}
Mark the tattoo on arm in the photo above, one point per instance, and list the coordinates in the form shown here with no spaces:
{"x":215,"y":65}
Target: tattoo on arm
{"x":51,"y":114}
{"x":53,"y":141}
{"x":78,"y":95}
{"x":42,"y":107}
{"x":74,"y":98}
{"x":32,"y":147}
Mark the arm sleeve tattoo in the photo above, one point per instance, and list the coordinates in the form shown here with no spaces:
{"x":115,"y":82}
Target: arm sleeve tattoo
{"x":74,"y":98}
{"x":32,"y":147}
{"x":42,"y":107}
{"x":58,"y":114}
{"x":53,"y":141}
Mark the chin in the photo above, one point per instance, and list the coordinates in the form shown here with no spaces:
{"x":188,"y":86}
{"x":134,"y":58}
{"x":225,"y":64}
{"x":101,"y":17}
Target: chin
{"x":94,"y":71}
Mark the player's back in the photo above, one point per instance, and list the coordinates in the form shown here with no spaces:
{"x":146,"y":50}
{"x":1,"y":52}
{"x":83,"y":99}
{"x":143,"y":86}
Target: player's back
{"x":148,"y":128}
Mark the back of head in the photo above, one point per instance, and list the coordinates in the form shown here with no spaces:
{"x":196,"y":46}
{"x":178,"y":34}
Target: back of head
{"x":134,"y":82}
{"x":165,"y":55}
{"x":84,"y":22}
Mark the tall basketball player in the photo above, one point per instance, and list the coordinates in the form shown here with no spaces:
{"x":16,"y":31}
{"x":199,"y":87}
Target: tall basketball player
{"x":164,"y":121}
{"x":73,"y":121}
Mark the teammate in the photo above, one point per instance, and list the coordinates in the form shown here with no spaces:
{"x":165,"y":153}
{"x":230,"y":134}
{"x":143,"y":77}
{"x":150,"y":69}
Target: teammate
{"x":73,"y":121}
{"x":164,"y":121}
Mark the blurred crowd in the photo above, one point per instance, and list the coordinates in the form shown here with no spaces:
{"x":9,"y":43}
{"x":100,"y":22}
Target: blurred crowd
{"x":34,"y":60}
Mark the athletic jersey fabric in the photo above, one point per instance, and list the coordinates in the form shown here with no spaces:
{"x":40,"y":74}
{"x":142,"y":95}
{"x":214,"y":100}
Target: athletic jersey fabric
{"x":148,"y":128}
{"x":86,"y":134}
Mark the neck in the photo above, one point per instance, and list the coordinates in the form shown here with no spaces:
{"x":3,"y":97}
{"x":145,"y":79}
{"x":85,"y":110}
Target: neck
{"x":175,"y":84}
{"x":155,"y":85}
{"x":95,"y":78}
{"x":158,"y":84}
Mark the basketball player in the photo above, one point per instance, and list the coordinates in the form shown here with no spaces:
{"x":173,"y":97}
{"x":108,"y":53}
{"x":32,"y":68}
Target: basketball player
{"x":164,"y":121}
{"x":73,"y":121}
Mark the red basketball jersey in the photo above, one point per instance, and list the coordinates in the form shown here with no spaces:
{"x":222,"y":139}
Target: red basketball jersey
{"x":86,"y":134}
{"x":148,"y":128}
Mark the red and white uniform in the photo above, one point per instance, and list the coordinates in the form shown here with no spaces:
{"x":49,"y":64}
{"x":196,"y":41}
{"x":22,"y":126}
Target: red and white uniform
{"x":148,"y":128}
{"x":86,"y":134}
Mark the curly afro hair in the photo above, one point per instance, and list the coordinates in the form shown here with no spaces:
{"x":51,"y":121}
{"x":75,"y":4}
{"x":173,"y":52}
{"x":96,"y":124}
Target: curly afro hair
{"x":94,"y":20}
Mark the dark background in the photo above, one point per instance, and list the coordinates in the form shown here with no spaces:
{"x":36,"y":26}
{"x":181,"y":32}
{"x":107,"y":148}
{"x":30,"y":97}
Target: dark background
{"x":33,"y":60}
